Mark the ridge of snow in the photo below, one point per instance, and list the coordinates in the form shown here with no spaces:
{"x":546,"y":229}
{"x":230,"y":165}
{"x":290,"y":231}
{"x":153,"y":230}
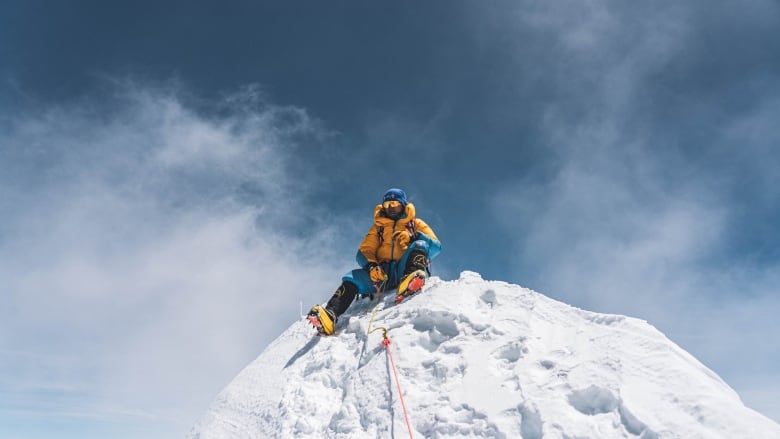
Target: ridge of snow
{"x":480,"y":359}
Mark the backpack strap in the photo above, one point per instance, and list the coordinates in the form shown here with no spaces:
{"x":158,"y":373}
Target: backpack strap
{"x":380,"y":231}
{"x":410,"y":227}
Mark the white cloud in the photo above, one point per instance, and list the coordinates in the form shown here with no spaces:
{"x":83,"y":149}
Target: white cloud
{"x":625,"y":242}
{"x":149,"y":251}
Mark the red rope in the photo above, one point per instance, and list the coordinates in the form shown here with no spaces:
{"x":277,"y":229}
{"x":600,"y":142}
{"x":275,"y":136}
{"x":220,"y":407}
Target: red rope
{"x":386,"y":342}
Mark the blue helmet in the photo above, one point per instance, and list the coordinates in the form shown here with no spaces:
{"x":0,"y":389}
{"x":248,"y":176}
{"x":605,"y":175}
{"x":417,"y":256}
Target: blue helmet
{"x":395,"y":194}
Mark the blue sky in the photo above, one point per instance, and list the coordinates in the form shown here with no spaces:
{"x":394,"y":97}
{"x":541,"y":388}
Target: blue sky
{"x":176,"y":178}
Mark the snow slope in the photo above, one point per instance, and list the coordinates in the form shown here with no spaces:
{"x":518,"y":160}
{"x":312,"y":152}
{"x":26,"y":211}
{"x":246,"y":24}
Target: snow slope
{"x":480,"y":359}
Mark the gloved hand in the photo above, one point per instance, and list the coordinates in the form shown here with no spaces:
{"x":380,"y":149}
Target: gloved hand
{"x":402,"y":238}
{"x":376,"y":273}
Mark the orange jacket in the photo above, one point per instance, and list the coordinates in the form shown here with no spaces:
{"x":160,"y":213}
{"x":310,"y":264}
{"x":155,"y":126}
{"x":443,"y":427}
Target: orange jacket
{"x":387,"y":249}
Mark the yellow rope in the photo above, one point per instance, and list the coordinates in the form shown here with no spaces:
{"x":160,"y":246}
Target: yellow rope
{"x":371,"y":322}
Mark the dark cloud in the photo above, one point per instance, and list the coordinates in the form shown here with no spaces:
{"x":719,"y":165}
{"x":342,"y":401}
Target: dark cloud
{"x":660,"y":201}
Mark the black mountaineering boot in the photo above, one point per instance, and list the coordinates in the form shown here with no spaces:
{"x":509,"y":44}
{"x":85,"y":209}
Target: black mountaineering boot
{"x":417,"y":260}
{"x":324,"y":318}
{"x":414,"y":277}
{"x":342,"y":298}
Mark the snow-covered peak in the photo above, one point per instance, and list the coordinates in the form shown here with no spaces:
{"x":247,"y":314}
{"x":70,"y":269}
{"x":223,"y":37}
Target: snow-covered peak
{"x":483,"y":359}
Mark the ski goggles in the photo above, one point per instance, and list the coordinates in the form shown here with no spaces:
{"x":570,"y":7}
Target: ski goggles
{"x":391,"y":204}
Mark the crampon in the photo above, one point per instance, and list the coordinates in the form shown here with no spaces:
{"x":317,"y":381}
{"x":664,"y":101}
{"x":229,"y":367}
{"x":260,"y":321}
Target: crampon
{"x":412,"y":284}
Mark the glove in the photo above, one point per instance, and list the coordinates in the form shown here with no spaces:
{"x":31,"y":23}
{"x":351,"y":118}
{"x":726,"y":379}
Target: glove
{"x":402,"y":237}
{"x":376,"y":273}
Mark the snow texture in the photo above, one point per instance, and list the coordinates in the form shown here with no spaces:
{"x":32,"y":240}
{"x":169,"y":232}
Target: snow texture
{"x":479,"y":359}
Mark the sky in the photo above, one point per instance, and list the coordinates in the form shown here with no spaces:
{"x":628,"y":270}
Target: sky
{"x":178,"y":179}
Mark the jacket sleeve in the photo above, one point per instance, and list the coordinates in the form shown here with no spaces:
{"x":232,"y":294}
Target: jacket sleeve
{"x":422,"y":226}
{"x":368,"y":248}
{"x":425,"y":233}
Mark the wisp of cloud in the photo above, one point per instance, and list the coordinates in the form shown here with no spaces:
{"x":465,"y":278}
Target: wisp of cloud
{"x":149,"y":248}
